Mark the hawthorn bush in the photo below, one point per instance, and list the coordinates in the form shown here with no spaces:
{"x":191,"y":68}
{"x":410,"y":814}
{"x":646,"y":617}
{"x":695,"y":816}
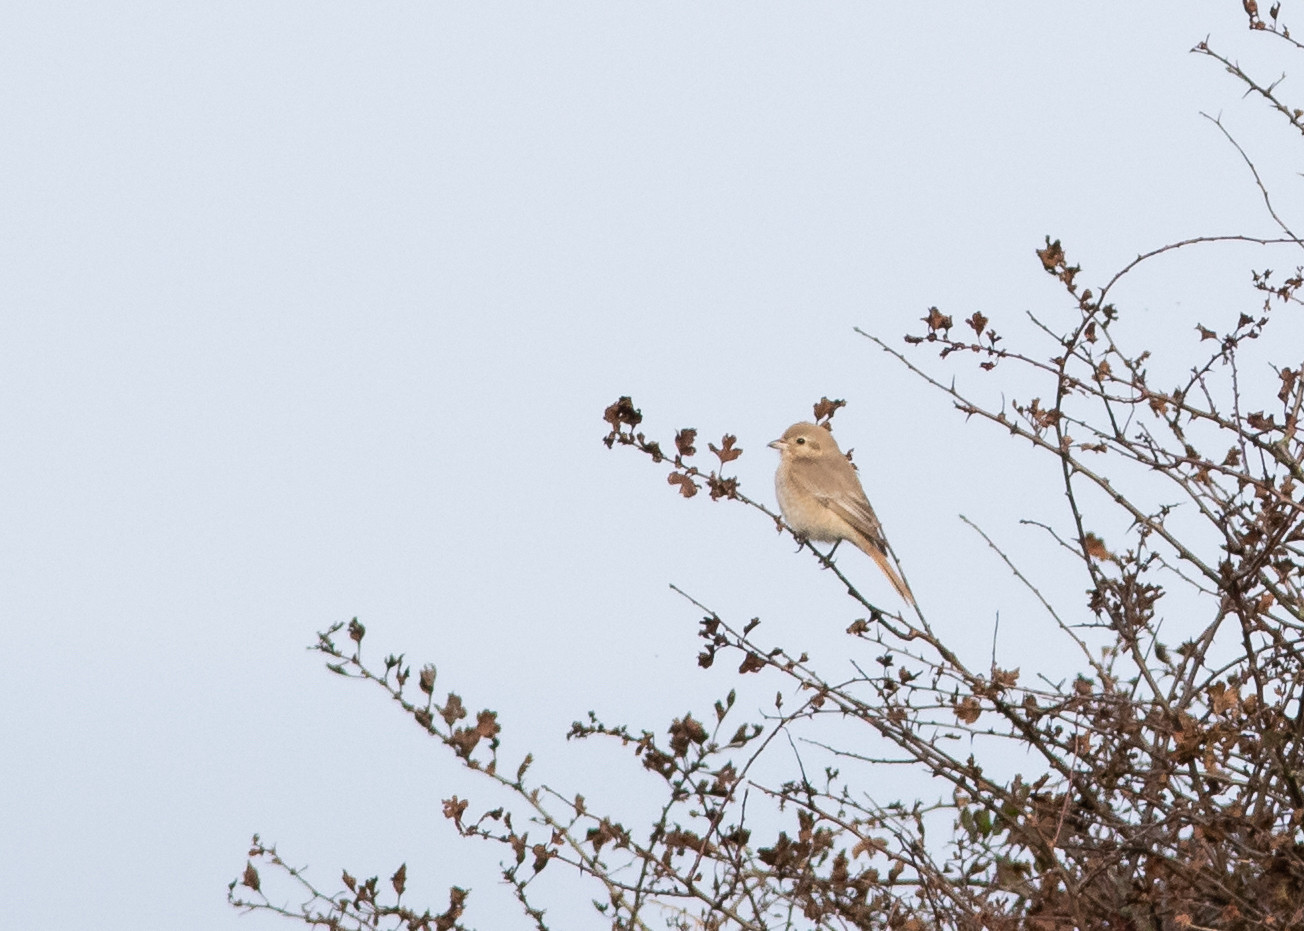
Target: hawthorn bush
{"x":1162,"y":783}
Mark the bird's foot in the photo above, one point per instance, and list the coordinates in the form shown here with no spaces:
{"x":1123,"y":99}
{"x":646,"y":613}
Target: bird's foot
{"x":826,"y":560}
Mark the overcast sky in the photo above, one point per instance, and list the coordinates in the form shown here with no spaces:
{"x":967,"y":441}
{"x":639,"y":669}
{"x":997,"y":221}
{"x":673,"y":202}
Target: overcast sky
{"x":311,"y":310}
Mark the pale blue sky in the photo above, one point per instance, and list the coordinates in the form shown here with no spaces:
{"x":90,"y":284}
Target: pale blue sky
{"x":311,"y":310}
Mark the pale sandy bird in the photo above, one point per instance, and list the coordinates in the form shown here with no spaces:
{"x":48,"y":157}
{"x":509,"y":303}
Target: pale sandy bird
{"x":821,"y":497}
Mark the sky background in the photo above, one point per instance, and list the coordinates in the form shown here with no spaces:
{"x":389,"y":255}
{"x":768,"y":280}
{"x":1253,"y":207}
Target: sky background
{"x":311,"y":311}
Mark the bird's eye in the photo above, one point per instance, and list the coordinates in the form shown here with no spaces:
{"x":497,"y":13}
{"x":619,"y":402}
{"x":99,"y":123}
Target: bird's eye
{"x":801,"y":441}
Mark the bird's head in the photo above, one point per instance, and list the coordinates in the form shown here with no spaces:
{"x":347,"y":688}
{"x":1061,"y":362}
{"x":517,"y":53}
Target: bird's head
{"x":805,"y":441}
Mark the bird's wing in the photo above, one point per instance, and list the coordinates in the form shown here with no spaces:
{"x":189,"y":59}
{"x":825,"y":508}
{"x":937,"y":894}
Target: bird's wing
{"x":846,"y":498}
{"x":855,"y":510}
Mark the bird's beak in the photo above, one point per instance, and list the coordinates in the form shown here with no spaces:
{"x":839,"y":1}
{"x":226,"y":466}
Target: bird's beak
{"x":777,"y":444}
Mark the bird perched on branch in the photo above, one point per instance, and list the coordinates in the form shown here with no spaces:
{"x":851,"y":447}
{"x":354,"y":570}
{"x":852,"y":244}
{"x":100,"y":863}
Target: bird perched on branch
{"x":821,"y":497}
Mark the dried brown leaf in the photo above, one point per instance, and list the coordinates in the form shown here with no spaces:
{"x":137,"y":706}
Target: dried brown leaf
{"x":622,"y":411}
{"x":752,"y":663}
{"x":937,"y":320}
{"x":826,"y":408}
{"x":1095,"y":547}
{"x":687,"y":487}
{"x":453,"y":709}
{"x":726,"y":452}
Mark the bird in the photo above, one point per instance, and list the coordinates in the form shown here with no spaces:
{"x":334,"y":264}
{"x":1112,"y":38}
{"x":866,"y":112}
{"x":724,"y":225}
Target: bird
{"x":821,"y":497}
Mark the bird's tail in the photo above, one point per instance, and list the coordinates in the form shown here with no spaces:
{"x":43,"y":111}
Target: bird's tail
{"x":877,"y":554}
